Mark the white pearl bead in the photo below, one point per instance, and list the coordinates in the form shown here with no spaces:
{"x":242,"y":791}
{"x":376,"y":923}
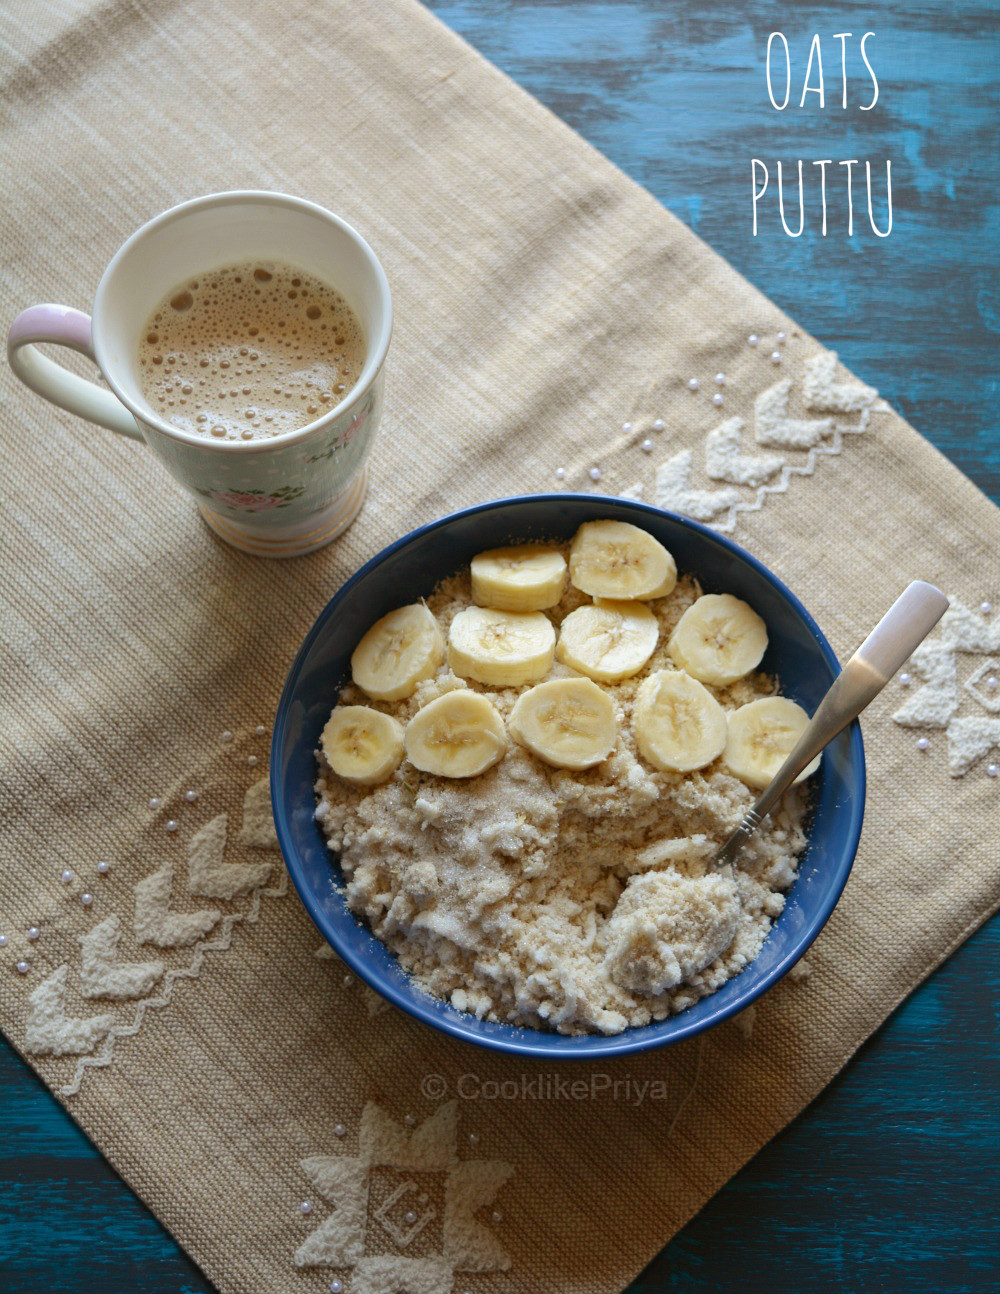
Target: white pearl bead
{"x":473,"y":1138}
{"x":226,"y":736}
{"x":3,"y":941}
{"x":23,"y":967}
{"x":497,"y":1216}
{"x":753,"y":339}
{"x":560,"y":473}
{"x":658,"y":424}
{"x":780,"y":336}
{"x":67,"y":876}
{"x":992,"y":770}
{"x":170,"y":825}
{"x":336,"y":1287}
{"x":305,"y":1207}
{"x":922,"y":743}
{"x":339,"y":1130}
{"x":626,"y":427}
{"x":717,"y":399}
{"x":410,"y":1217}
{"x":33,"y":933}
{"x":905,"y":679}
{"x":693,"y":383}
{"x":595,"y":473}
{"x":720,"y":379}
{"x":647,"y":446}
{"x":260,"y":730}
{"x":252,"y":761}
{"x":103,"y":867}
{"x":410,"y":1120}
{"x":154,"y":802}
{"x":991,"y":682}
{"x":86,"y":898}
{"x":190,"y":796}
{"x":986,"y":607}
{"x":348,"y":981}
{"x":776,"y":357}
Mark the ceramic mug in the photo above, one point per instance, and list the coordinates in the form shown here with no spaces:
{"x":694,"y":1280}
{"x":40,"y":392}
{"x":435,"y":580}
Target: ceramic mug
{"x":279,"y":497}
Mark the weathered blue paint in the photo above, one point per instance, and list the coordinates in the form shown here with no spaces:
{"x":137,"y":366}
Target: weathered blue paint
{"x":675,"y":94}
{"x":68,"y":1223}
{"x":887,"y":1182}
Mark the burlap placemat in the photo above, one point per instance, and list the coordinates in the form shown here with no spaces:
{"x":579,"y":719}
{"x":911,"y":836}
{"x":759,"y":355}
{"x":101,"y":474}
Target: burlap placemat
{"x":549,"y":315}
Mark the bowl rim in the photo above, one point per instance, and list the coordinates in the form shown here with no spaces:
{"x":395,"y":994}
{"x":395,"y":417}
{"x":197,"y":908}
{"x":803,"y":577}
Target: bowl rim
{"x":591,"y":1046}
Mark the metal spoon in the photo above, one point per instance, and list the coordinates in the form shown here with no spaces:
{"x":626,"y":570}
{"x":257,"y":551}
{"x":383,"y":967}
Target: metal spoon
{"x":900,"y":631}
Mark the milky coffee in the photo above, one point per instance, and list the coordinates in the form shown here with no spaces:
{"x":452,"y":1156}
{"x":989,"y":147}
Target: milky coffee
{"x":249,"y":351}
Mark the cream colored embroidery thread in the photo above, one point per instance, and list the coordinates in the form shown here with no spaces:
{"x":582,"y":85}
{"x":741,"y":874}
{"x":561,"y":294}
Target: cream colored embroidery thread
{"x":726,"y":458}
{"x":155,"y":922}
{"x":101,"y":973}
{"x":50,"y":1032}
{"x":673,"y":490}
{"x":989,"y":669}
{"x":821,"y":392}
{"x":725,"y":461}
{"x":937,"y":702}
{"x":343,"y":1240}
{"x":210,"y":876}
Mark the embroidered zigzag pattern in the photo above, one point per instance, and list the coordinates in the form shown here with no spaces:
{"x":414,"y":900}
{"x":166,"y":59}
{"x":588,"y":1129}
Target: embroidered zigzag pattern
{"x":50,"y":1032}
{"x":771,"y":473}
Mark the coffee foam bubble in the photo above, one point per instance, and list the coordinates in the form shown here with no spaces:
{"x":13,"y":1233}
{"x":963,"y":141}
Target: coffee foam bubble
{"x":249,"y":351}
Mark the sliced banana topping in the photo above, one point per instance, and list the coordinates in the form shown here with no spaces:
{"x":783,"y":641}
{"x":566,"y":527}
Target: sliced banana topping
{"x":501,"y":648}
{"x":761,"y":735}
{"x":567,"y":722}
{"x":362,"y":745}
{"x":523,"y":577}
{"x":397,"y":652}
{"x":718,"y":639}
{"x":506,"y":641}
{"x":459,"y":734}
{"x":679,"y":726}
{"x":612,"y":559}
{"x":609,"y":640}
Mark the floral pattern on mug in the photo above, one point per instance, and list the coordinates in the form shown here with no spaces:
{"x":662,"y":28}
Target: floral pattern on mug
{"x":253,"y":500}
{"x":343,"y":438}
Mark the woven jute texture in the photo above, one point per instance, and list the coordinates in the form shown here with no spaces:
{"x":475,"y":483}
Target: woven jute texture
{"x":542,"y":302}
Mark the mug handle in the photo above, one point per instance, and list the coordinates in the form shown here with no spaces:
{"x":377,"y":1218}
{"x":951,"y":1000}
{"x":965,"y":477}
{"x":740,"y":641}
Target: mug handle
{"x":65,"y":327}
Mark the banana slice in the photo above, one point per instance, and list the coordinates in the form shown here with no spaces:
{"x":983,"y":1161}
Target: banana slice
{"x":362,"y":745}
{"x":568,"y":722}
{"x":608,"y":641}
{"x":761,"y":735}
{"x":678,"y":724}
{"x":524,"y":577}
{"x":397,"y":652}
{"x":718,"y":639}
{"x":612,"y":559}
{"x":459,"y":734}
{"x":501,"y":648}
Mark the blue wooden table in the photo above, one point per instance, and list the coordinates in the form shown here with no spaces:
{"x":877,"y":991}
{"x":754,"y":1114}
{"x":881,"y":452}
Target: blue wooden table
{"x":888,"y":1181}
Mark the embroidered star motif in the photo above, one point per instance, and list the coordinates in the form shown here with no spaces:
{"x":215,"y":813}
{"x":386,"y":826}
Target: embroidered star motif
{"x":451,"y":1238}
{"x":937,"y":702}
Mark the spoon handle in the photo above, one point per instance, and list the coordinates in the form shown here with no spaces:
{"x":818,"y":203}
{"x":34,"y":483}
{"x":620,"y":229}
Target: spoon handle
{"x":900,"y":631}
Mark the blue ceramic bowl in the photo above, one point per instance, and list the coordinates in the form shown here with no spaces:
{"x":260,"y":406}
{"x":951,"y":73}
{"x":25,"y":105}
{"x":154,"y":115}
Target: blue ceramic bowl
{"x":797,"y":653}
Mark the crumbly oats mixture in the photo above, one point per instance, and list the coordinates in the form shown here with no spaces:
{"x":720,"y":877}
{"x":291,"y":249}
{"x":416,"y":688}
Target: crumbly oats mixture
{"x":578,"y":902}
